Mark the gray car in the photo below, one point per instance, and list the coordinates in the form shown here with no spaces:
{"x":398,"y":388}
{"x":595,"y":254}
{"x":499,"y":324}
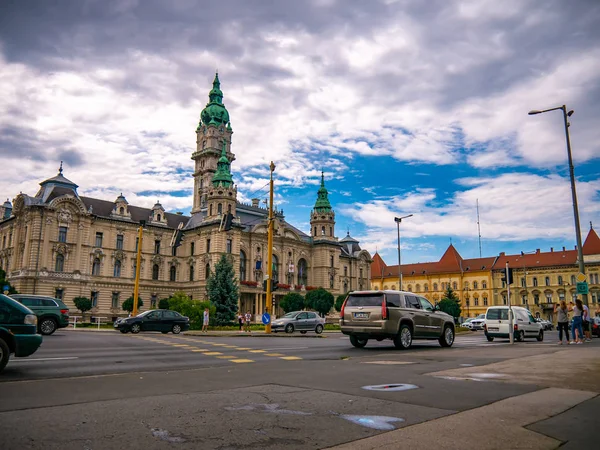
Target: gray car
{"x":396,"y":315}
{"x":301,"y":321}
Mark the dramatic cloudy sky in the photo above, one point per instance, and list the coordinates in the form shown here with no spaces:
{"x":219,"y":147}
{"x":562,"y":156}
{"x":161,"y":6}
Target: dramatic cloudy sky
{"x":409,"y":107}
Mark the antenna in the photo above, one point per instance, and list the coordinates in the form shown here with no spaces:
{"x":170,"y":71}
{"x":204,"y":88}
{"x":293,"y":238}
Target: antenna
{"x":478,"y":227}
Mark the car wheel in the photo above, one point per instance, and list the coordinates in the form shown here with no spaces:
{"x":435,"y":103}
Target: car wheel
{"x":176,"y":329}
{"x":540,"y":337}
{"x":136,"y":328}
{"x":447,"y":337}
{"x":303,"y":332}
{"x":403,"y":340}
{"x":319,"y":329}
{"x":521,"y":336}
{"x":489,"y":338}
{"x":4,"y":354}
{"x":357,"y":342}
{"x":289,"y":328}
{"x":123,"y":330}
{"x":47,"y":327}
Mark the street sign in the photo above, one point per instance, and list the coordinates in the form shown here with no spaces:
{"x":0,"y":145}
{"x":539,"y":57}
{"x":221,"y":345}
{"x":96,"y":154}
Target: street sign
{"x":6,"y":287}
{"x":266,"y":318}
{"x":582,"y":288}
{"x":581,"y":277}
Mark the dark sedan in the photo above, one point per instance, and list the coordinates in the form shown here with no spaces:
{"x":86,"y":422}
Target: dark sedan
{"x":162,"y":320}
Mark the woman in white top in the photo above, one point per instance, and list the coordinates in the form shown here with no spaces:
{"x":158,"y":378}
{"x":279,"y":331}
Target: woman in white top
{"x":577,"y":323}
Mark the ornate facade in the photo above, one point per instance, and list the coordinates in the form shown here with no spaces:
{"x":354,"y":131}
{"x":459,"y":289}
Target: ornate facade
{"x":62,"y":244}
{"x":540,"y":278}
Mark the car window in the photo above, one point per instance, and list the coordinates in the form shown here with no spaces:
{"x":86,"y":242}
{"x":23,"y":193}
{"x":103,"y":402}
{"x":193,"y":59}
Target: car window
{"x":370,"y":299}
{"x":425,"y":304}
{"x":5,"y":312}
{"x":531,"y":319}
{"x":11,"y":311}
{"x":30,"y":301}
{"x":47,"y":302}
{"x":155,"y":315}
{"x":302,"y":316}
{"x":392,"y":300}
{"x":289,"y":315}
{"x":312,"y":315}
{"x":412,"y":301}
{"x":497,"y":314}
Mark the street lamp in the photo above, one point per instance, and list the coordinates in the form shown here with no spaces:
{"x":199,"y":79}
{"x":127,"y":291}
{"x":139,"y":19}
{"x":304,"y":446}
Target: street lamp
{"x":398,"y":220}
{"x":566,"y":115}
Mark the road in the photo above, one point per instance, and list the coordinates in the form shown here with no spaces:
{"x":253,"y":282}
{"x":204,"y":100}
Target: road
{"x":105,"y":390}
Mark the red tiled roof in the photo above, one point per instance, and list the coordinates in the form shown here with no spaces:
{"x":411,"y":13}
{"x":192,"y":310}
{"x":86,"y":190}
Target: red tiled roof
{"x":591,"y":246}
{"x":538,"y":259}
{"x":378,"y":267}
{"x":451,"y":260}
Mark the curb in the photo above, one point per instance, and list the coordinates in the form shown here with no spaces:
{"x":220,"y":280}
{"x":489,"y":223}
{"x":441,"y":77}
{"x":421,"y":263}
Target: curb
{"x":252,"y":334}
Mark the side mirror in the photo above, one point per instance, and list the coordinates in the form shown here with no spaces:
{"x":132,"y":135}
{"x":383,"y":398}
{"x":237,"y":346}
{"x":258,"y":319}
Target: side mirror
{"x":436,"y":307}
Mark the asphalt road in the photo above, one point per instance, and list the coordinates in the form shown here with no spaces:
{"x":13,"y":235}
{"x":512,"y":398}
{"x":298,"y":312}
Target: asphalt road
{"x":104,"y":390}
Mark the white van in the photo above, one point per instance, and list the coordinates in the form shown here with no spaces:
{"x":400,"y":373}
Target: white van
{"x":497,"y":324}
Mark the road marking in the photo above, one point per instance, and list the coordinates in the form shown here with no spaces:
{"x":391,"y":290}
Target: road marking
{"x":181,"y":345}
{"x":229,"y":346}
{"x":242,"y":348}
{"x":226,"y":357}
{"x":257,"y":351}
{"x":212,"y":353}
{"x":274,"y":354}
{"x":290,"y":358}
{"x":288,"y":348}
{"x":241,"y":360}
{"x":218,"y":345}
{"x":200,"y":350}
{"x":44,"y":359}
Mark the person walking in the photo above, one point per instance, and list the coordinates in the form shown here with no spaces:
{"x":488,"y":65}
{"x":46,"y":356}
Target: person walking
{"x":587,"y":323}
{"x":562,"y":319}
{"x":248,"y":318}
{"x":240,"y":318}
{"x":577,"y":322}
{"x":205,"y":321}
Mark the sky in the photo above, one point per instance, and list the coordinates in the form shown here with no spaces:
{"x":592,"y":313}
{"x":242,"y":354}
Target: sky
{"x":408,"y":107}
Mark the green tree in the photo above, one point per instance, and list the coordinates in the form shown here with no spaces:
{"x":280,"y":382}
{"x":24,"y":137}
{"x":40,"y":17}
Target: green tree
{"x":193,"y":309}
{"x":128,"y":304}
{"x":4,"y":282}
{"x":163,"y":303}
{"x":292,"y":302}
{"x":319,"y":300}
{"x":339,"y":301}
{"x":83,"y":304}
{"x":450,"y":303}
{"x":222,"y":290}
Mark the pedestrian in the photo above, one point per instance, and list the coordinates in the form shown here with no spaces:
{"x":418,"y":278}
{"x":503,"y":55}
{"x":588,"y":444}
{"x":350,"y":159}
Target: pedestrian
{"x":248,"y":318}
{"x":577,"y":325}
{"x":587,"y":323}
{"x":240,"y":318}
{"x":562,"y":318}
{"x":205,"y":321}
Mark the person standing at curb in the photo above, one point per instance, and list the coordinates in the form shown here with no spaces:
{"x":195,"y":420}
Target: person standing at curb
{"x":240,"y":318}
{"x":586,"y":323}
{"x":248,"y":318}
{"x":577,"y":325}
{"x":562,"y":318}
{"x":205,"y":321}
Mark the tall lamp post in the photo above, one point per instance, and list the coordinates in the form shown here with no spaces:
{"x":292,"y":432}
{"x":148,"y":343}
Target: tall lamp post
{"x":566,"y":115}
{"x":398,"y":220}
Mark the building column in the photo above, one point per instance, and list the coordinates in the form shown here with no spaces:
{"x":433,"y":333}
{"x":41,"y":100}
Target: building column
{"x":257,"y":299}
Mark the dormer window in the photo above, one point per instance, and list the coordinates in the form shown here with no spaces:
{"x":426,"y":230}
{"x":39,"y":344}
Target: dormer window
{"x":121,"y":210}
{"x":158,"y":217}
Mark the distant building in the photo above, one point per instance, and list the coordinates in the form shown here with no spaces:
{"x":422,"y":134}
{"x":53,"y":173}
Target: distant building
{"x":65,"y":245}
{"x":541,"y":279}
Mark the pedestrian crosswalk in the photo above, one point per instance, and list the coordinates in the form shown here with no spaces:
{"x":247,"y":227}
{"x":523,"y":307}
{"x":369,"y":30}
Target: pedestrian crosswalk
{"x":481,"y":341}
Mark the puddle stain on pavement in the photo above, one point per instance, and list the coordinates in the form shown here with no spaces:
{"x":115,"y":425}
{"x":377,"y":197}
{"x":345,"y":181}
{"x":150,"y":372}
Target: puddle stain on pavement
{"x":166,"y":436}
{"x":375,"y":422}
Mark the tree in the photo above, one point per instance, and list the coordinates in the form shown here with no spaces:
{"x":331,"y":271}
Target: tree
{"x":163,"y":303}
{"x":292,"y":302}
{"x":83,"y":304}
{"x":222,"y":291}
{"x":339,"y":301}
{"x":4,"y":282}
{"x":128,"y":304}
{"x":319,"y":300}
{"x":450,"y":303}
{"x":193,"y":309}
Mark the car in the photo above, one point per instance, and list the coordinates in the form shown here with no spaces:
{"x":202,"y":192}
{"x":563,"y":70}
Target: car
{"x":51,"y":312}
{"x":546,"y":324}
{"x":163,"y":320}
{"x":477,"y":324}
{"x":18,"y":330}
{"x":467,"y":323}
{"x":397,"y":315}
{"x":302,"y":321}
{"x":497,"y":324}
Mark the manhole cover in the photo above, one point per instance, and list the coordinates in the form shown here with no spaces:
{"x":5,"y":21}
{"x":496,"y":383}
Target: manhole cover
{"x":390,"y":387}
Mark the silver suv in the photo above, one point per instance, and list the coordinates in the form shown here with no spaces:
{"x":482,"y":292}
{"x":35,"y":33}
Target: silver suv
{"x":396,"y":315}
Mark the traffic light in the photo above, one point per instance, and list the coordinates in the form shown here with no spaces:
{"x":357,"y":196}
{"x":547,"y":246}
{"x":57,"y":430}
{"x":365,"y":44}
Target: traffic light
{"x":510,"y":276}
{"x":274,"y":285}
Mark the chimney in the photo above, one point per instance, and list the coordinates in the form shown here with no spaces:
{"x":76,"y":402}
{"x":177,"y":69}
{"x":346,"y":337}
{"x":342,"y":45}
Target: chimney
{"x":179,"y":213}
{"x":255,"y":202}
{"x":537,"y":250}
{"x":563,"y":249}
{"x":502,"y":254}
{"x":551,"y":249}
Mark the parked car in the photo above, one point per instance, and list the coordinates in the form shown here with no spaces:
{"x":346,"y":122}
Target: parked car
{"x":18,"y":330}
{"x":51,"y":312}
{"x":301,"y":321}
{"x":396,"y":315}
{"x":163,"y":320}
{"x":477,"y":323}
{"x":497,"y":324}
{"x":467,"y":323}
{"x":546,"y":324}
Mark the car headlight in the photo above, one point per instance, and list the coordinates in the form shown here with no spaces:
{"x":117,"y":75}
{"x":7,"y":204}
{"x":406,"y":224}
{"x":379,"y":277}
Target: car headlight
{"x":30,"y":319}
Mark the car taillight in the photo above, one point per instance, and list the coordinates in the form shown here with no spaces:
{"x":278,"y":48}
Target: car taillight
{"x":342,"y":310}
{"x":485,"y":327}
{"x":384,"y":311}
{"x":64,"y":311}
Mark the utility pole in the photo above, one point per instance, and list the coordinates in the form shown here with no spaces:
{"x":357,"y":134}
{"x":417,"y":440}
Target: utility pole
{"x":511,"y":325}
{"x":138,"y":269}
{"x":269,"y":303}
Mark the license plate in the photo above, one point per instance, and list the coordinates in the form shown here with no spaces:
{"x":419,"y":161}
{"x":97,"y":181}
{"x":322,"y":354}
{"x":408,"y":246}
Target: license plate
{"x":361,"y":315}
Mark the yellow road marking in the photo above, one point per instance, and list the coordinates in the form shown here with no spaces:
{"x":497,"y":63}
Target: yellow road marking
{"x":290,"y":358}
{"x":212,"y":353}
{"x":200,"y":350}
{"x":241,"y":360}
{"x":181,"y":345}
{"x":258,"y":351}
{"x":226,"y":357}
{"x":274,"y":354}
{"x":242,"y":348}
{"x":229,"y":346}
{"x":219,"y":345}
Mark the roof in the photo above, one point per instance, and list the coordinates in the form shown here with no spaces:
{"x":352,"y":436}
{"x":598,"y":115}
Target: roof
{"x":591,"y":246}
{"x":451,"y":261}
{"x":537,"y":259}
{"x":377,"y":266}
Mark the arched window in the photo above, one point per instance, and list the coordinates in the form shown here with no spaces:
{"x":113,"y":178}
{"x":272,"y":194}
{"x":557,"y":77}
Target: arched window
{"x":573,"y":280}
{"x":418,"y":288}
{"x":60,"y":263}
{"x":426,"y":287}
{"x":117,"y":271}
{"x":474,"y":284}
{"x":172,"y":273}
{"x":155,"y":272}
{"x":547,"y":281}
{"x":242,"y":265}
{"x":210,"y":209}
{"x":315,"y":232}
{"x":345,"y":287}
{"x":121,"y":210}
{"x":275,"y":268}
{"x":330,"y":231}
{"x":435,"y":286}
{"x":191,"y":272}
{"x":219,"y":208}
{"x":483,"y":285}
{"x":229,"y":208}
{"x":455,"y":285}
{"x":96,"y":267}
{"x":207,"y":272}
{"x":323,"y":230}
{"x":535,"y":283}
{"x":410,"y":288}
{"x":560,"y":280}
{"x":158,"y":217}
{"x":302,"y":275}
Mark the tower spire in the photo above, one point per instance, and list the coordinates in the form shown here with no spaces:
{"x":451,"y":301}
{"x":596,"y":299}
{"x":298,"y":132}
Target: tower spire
{"x":60,"y":169}
{"x":322,"y":204}
{"x":222,"y":176}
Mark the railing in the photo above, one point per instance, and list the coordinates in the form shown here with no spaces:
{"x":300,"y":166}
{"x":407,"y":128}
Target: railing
{"x":99,"y":320}
{"x":74,"y":322}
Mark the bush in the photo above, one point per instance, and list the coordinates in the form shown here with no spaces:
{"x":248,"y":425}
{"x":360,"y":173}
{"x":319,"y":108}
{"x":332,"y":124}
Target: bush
{"x":339,"y":301}
{"x":83,"y":304}
{"x":128,"y":304}
{"x":319,"y":300}
{"x":163,"y":303}
{"x":292,"y":302}
{"x":194,"y":309}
